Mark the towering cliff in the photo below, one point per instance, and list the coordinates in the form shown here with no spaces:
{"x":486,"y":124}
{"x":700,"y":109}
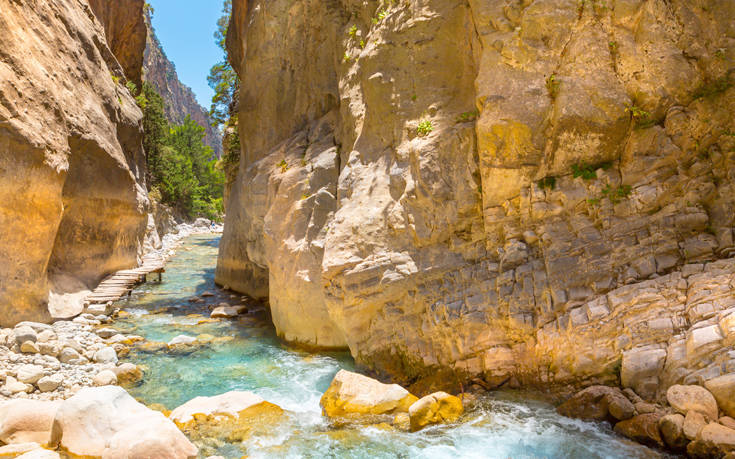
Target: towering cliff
{"x":533,"y":191}
{"x":180,"y":100}
{"x":72,"y":195}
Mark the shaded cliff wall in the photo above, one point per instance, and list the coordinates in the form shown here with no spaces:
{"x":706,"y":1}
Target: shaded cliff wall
{"x":179,"y":98}
{"x":517,"y":191}
{"x":72,"y":169}
{"x":125,"y":30}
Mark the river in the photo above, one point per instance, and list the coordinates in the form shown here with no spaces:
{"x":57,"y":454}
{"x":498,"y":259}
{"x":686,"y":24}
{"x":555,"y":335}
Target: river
{"x":246,"y":355}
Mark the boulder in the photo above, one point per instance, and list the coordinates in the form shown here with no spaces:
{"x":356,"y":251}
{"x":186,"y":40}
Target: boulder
{"x":29,"y":347}
{"x":40,"y":453}
{"x":29,"y":374}
{"x":24,"y":421}
{"x":697,"y":398}
{"x":106,"y":333}
{"x":694,"y":422}
{"x":69,"y":355}
{"x":233,"y":415}
{"x":353,"y":395}
{"x":106,"y":355}
{"x":128,"y":373}
{"x":714,"y":440}
{"x":642,"y":428}
{"x":597,"y":403}
{"x":727,"y":421}
{"x":436,"y":408}
{"x":50,"y":383}
{"x":182,"y":340}
{"x":672,"y":431}
{"x":24,"y":334}
{"x":14,"y":386}
{"x":105,"y":378}
{"x":227,"y":312}
{"x":106,"y":421}
{"x":16,"y":449}
{"x":723,"y":389}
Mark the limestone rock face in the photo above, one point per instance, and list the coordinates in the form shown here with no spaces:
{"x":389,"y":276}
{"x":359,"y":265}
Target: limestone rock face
{"x":540,"y":190}
{"x":72,"y":200}
{"x":125,"y":29}
{"x":352,"y":395}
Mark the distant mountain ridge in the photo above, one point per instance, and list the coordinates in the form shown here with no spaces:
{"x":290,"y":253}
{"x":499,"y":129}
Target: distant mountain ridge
{"x":180,"y":101}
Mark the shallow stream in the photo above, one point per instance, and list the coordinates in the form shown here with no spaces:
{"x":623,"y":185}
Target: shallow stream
{"x":246,"y":355}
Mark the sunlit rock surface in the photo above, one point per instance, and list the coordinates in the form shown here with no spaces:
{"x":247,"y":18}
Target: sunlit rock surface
{"x":538,"y":192}
{"x":72,"y":199}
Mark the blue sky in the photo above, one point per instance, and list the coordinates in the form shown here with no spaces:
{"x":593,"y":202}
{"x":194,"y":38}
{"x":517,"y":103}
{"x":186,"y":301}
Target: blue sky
{"x":185,"y":29}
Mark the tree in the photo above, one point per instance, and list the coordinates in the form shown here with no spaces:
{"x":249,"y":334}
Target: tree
{"x":222,"y":77}
{"x":155,"y":127}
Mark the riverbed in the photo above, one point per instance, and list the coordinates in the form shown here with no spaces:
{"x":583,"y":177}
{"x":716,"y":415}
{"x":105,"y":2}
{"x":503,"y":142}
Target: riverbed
{"x":246,"y":354}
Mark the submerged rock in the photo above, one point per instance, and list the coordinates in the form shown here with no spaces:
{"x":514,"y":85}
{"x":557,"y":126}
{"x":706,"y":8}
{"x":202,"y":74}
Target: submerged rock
{"x":228,"y":312}
{"x":233,"y":415}
{"x":107,"y":422}
{"x":642,"y":428}
{"x":436,"y":408}
{"x":352,"y":395}
{"x":598,"y":403}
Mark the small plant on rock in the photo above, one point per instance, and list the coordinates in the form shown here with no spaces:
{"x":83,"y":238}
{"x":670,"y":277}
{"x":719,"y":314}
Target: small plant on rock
{"x":283,"y":165}
{"x":346,"y":57}
{"x":424,"y":127}
{"x":552,"y":85}
{"x":468,"y":116}
{"x":353,"y":31}
{"x":640,"y":117}
{"x":547,"y":182}
{"x":588,"y":171}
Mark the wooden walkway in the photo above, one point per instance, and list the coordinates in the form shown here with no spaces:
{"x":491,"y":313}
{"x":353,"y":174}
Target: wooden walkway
{"x":122,"y":282}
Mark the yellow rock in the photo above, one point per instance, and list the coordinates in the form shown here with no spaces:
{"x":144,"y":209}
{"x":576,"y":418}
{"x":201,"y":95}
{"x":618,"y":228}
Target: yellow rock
{"x":352,"y":395}
{"x":233,"y":416}
{"x":436,"y":408}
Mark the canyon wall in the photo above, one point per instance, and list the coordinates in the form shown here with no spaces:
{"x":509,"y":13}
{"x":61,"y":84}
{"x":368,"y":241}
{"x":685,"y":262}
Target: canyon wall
{"x":72,"y":169}
{"x":179,"y":98}
{"x":517,"y":191}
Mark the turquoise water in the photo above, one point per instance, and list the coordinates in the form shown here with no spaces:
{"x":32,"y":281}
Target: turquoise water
{"x":246,"y":355}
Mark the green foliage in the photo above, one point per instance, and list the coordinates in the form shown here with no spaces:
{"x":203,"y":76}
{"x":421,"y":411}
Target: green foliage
{"x":547,"y":182}
{"x":283,"y":165}
{"x":640,"y":117}
{"x":552,"y":85}
{"x":362,"y":44}
{"x":588,"y":171}
{"x":182,"y":170}
{"x":148,"y":9}
{"x":468,"y":116}
{"x":424,"y":127}
{"x":115,"y":79}
{"x":613,"y":46}
{"x":382,"y":14}
{"x":132,"y":87}
{"x":222,"y":77}
{"x":353,"y":30}
{"x":346,"y":57}
{"x":617,"y":194}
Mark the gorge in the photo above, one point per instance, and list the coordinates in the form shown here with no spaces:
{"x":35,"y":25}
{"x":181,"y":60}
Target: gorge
{"x":510,"y":201}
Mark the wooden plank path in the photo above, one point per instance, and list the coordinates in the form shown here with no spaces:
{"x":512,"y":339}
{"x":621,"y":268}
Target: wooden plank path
{"x":117,"y":285}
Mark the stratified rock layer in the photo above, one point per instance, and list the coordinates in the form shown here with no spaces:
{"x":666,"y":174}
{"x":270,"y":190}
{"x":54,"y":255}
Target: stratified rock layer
{"x":539,"y":190}
{"x":72,"y":207}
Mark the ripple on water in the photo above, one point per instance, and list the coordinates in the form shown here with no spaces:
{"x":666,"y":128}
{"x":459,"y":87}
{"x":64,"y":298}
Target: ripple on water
{"x":504,"y":425}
